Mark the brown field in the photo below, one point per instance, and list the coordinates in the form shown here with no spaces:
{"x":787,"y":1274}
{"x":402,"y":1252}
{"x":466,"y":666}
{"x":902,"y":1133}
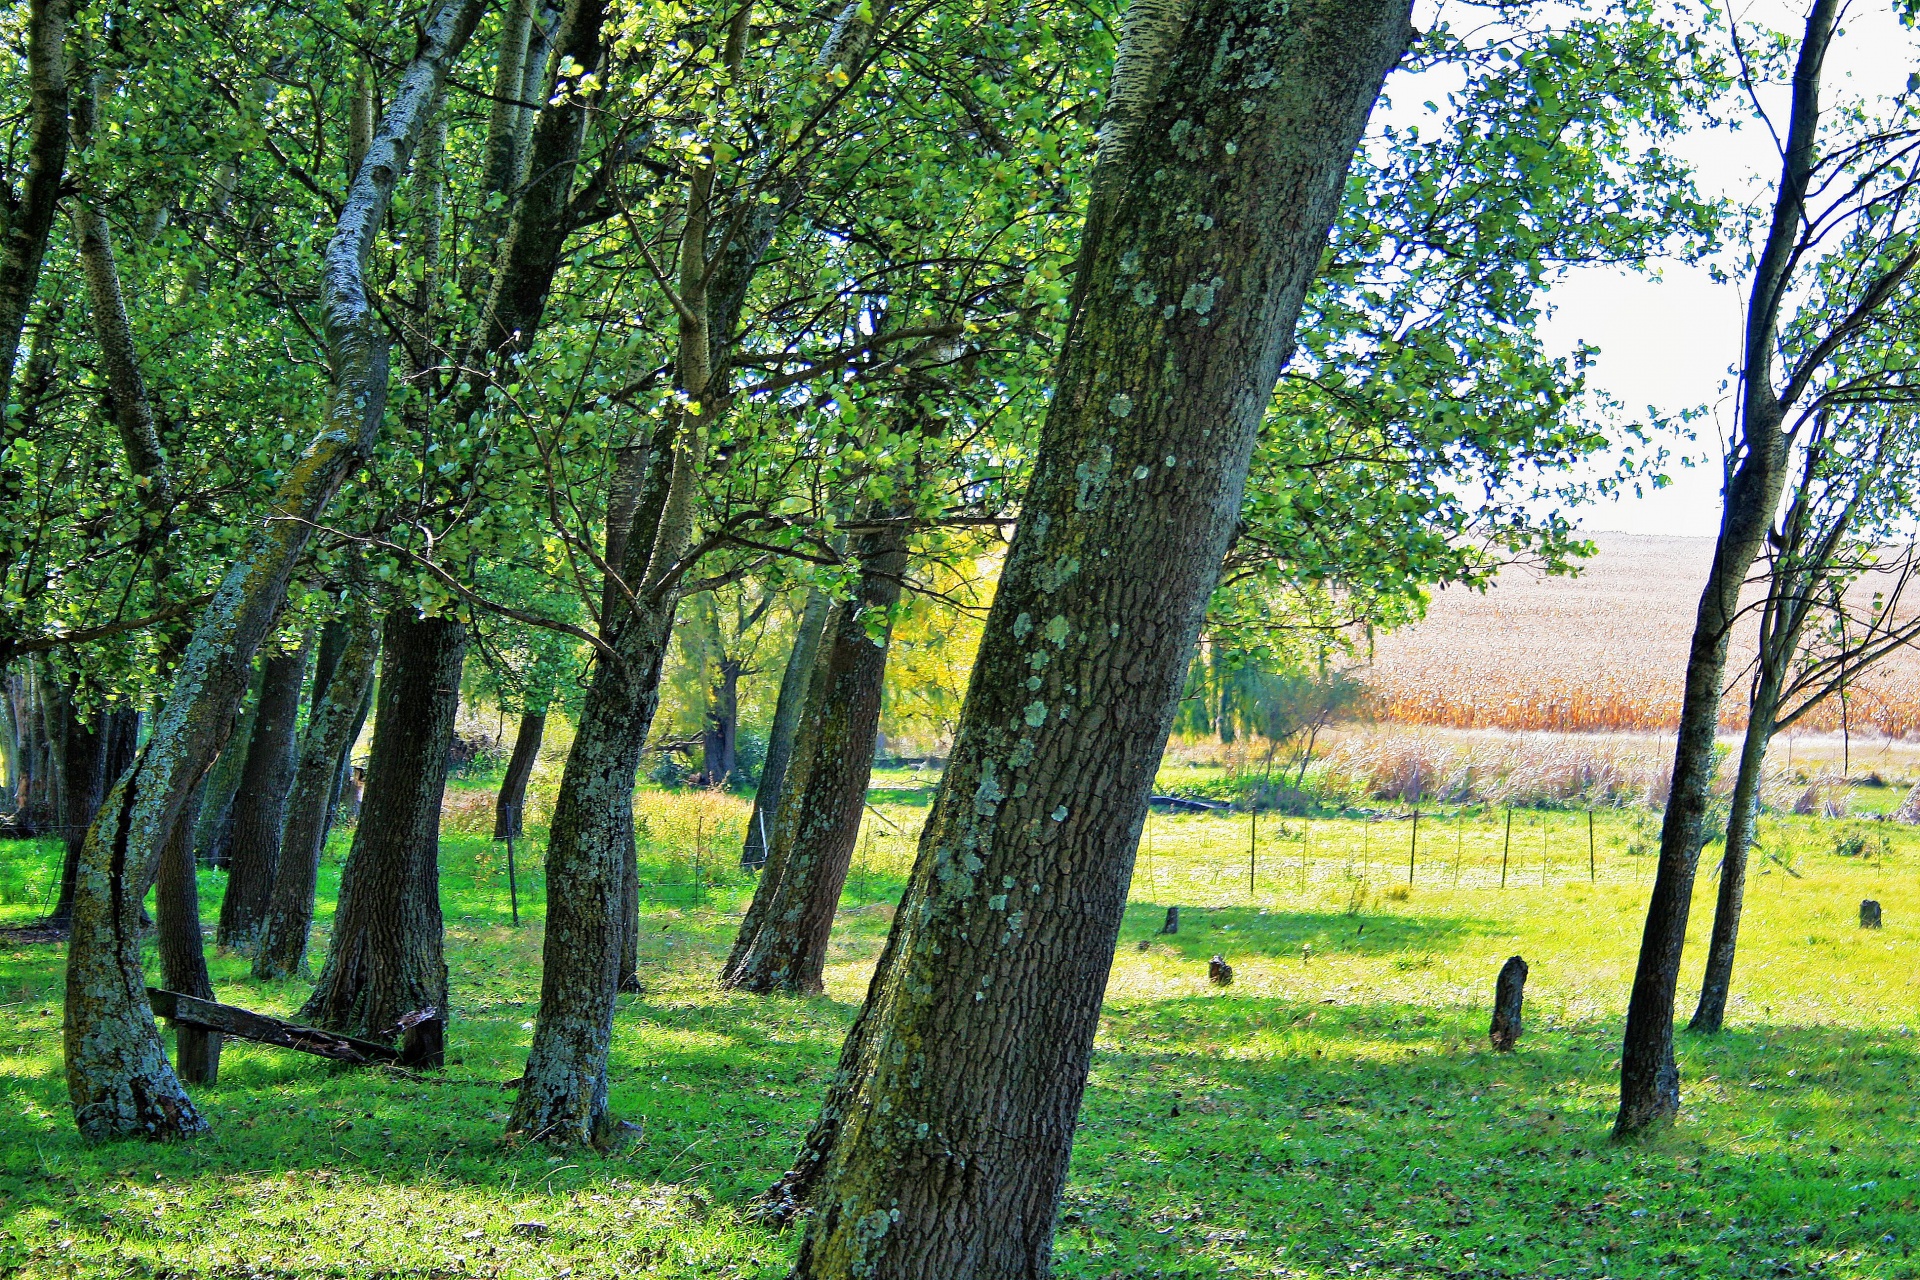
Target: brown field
{"x":1604,"y":651}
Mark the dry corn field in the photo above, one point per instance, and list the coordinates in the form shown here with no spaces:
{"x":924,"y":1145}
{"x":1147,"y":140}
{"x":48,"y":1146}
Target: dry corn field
{"x":1602,"y":651}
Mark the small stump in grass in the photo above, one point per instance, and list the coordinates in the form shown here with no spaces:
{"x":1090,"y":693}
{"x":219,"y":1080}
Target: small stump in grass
{"x":1869,"y":914}
{"x":1173,"y":921}
{"x":1507,"y":996}
{"x":1219,"y":972}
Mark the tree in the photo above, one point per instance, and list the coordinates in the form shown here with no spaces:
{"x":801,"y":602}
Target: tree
{"x":943,"y":1144}
{"x":782,"y":944}
{"x":385,"y":958}
{"x":260,"y":805}
{"x":331,"y":730}
{"x":1854,"y":487}
{"x":1848,"y":188}
{"x":117,"y":1074}
{"x":787,"y":711}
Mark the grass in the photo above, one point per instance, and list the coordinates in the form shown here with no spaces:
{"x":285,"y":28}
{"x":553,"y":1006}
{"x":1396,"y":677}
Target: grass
{"x":1335,"y":1112}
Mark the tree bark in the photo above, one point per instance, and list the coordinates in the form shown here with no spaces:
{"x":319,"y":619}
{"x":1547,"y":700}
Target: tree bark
{"x":83,"y":785}
{"x":386,"y":956}
{"x":331,"y":729}
{"x":1649,"y":1075}
{"x":117,"y":1074}
{"x":260,"y":809}
{"x":213,"y":827}
{"x":183,"y":958}
{"x":786,"y":721}
{"x":943,"y":1144}
{"x":509,"y":807}
{"x":26,"y":223}
{"x":782,"y":946}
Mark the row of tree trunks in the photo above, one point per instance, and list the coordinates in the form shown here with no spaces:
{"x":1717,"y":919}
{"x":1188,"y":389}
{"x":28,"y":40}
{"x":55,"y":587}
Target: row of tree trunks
{"x":782,"y":945}
{"x":335,"y":723}
{"x":942,"y":1147}
{"x":260,"y":808}
{"x":385,"y":957}
{"x":787,"y":710}
{"x":118,"y":1078}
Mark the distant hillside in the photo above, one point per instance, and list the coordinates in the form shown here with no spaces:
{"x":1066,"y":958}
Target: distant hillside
{"x":1605,"y":650}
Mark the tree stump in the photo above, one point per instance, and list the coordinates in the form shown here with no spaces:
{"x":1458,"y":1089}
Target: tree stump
{"x":1869,"y":914}
{"x":1173,"y":921}
{"x":1507,"y":996}
{"x":1219,"y":972}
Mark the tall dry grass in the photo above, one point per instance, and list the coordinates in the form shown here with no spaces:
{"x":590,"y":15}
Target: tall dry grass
{"x":1520,"y":769}
{"x":1603,"y":652}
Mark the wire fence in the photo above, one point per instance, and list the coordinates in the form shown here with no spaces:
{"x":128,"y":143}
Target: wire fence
{"x":1193,"y":860}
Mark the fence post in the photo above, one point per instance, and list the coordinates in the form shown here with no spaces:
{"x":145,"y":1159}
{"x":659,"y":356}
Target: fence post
{"x":1253,"y":835}
{"x":1413,"y":843}
{"x":1593,"y":873}
{"x":1505,"y":846}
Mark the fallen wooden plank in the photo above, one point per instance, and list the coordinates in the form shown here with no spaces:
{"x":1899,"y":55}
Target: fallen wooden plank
{"x":248,"y":1025}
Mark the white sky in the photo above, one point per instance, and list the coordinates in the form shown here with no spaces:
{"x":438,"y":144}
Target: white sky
{"x":1669,"y":342}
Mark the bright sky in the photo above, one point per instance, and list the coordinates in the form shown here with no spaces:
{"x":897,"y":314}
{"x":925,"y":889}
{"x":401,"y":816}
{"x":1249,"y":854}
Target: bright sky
{"x":1669,"y":342}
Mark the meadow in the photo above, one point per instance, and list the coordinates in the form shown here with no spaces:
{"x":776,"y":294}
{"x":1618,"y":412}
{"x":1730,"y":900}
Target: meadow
{"x":1336,"y":1111}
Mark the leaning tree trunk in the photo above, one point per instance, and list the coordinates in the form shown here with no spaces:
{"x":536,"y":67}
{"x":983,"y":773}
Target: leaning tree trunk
{"x":1649,"y":1075}
{"x":509,"y":807}
{"x":783,"y":940}
{"x":260,"y":808}
{"x":786,"y":720}
{"x":183,"y":957}
{"x":330,"y":733}
{"x":1711,"y":1013}
{"x":117,"y":1074}
{"x":943,"y":1145}
{"x":26,"y":225}
{"x":213,"y":828}
{"x":386,"y":957}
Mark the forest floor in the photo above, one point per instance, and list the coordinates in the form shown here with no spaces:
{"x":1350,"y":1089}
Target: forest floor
{"x":1335,"y":1112}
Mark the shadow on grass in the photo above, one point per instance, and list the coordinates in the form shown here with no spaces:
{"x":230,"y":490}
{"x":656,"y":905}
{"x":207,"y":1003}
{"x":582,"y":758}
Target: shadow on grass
{"x":1204,"y":931}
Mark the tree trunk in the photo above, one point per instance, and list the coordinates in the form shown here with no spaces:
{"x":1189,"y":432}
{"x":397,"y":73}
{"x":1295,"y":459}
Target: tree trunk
{"x":786,"y":720}
{"x":1711,"y":1013}
{"x":943,"y":1144}
{"x":331,"y":729}
{"x":720,"y":740}
{"x":117,"y":1074}
{"x":1649,"y":1076}
{"x":260,"y":809}
{"x":83,"y":785}
{"x":509,"y":807}
{"x":782,"y":945}
{"x":213,"y":828}
{"x":183,"y":958}
{"x":26,"y":224}
{"x":386,"y":956}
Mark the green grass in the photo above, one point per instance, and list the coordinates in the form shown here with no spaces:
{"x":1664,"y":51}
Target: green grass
{"x":1336,"y":1112}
